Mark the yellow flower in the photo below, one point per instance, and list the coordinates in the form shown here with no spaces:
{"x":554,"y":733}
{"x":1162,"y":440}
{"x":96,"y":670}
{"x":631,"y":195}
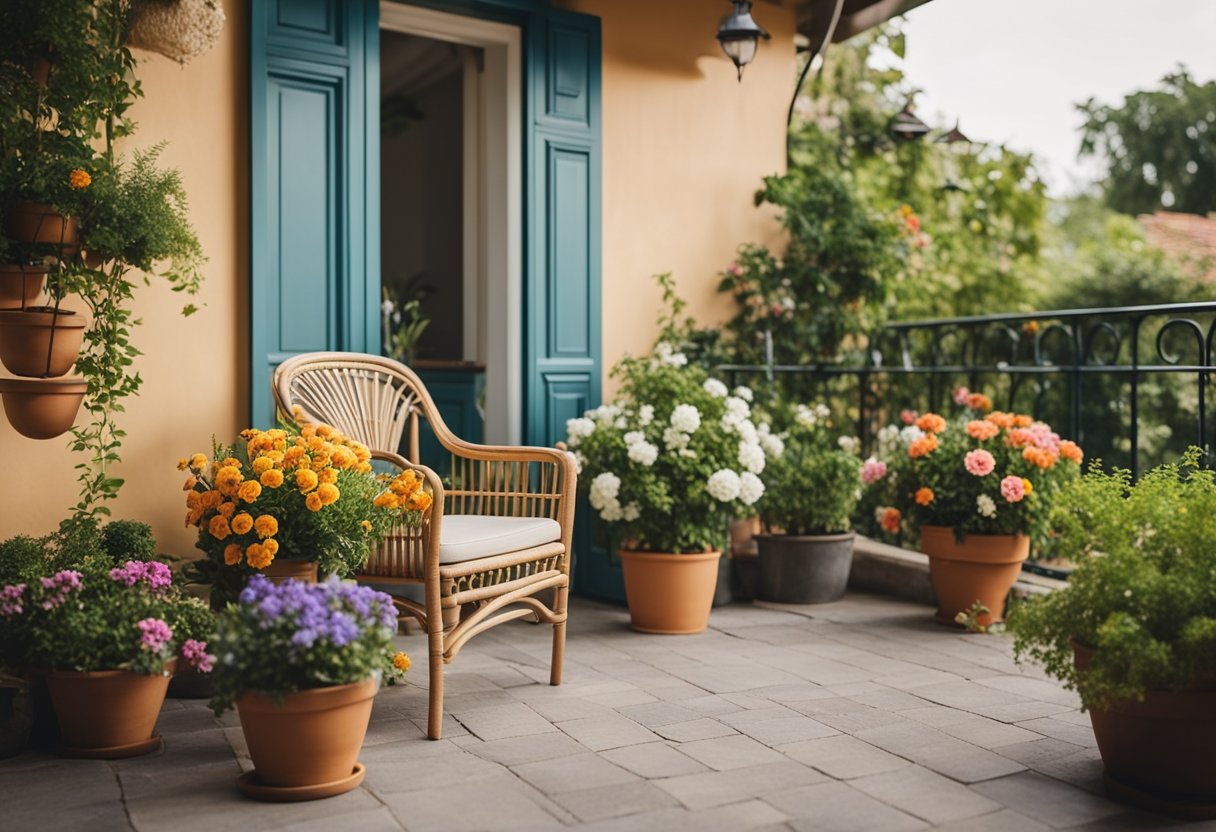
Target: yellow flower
{"x":218,"y":527}
{"x":226,"y":510}
{"x":313,"y":501}
{"x":242,"y":523}
{"x":266,"y":525}
{"x":258,"y":557}
{"x":232,"y":554}
{"x":191,"y":481}
{"x":272,"y":478}
{"x":210,"y":499}
{"x":306,"y":480}
{"x":198,"y":461}
{"x":231,"y":462}
{"x":419,"y":501}
{"x":249,"y":491}
{"x":183,"y":464}
{"x":79,"y":179}
{"x":329,"y":475}
{"x":227,"y":479}
{"x":367,"y":526}
{"x":262,"y":464}
{"x":194,"y":499}
{"x":401,"y":662}
{"x":386,"y":499}
{"x":271,"y":546}
{"x":1027,"y":486}
{"x":344,"y":458}
{"x":328,"y":493}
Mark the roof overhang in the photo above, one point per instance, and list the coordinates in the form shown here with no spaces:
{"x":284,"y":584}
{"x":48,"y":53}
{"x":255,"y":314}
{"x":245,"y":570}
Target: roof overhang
{"x":815,"y":16}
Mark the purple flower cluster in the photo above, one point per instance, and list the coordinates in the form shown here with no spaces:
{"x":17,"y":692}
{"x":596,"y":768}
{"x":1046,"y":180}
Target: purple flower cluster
{"x":155,"y":634}
{"x":58,"y":586}
{"x":196,"y":655}
{"x":10,"y":600}
{"x":332,"y":611}
{"x":156,"y":575}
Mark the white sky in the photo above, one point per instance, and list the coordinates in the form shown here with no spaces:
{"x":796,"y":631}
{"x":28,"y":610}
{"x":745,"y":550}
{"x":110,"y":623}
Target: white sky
{"x":1011,"y":70}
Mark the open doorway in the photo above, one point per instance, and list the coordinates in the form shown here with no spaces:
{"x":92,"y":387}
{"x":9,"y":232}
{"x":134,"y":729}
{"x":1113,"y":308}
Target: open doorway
{"x":451,"y":248}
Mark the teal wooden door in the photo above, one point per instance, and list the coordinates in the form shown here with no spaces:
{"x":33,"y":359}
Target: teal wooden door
{"x":314,"y":184}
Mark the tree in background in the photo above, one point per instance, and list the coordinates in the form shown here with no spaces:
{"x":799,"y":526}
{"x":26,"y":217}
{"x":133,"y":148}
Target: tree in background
{"x":1159,"y":146}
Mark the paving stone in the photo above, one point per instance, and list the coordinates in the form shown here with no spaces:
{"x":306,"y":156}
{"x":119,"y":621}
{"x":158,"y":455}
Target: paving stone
{"x":786,"y":729}
{"x":988,"y":733}
{"x":967,"y":763}
{"x":723,"y":753}
{"x":567,"y":774}
{"x":693,"y":730}
{"x":653,"y":760}
{"x":85,"y":795}
{"x":622,"y":698}
{"x":602,"y":733}
{"x":1005,"y":820}
{"x":926,"y":795}
{"x":1048,"y":800}
{"x":711,"y":705}
{"x":890,"y":700}
{"x":395,"y":767}
{"x":843,"y":757}
{"x":1039,"y":689}
{"x":838,"y":807}
{"x":1059,"y":729}
{"x":717,"y":788}
{"x":1082,"y":769}
{"x":514,"y":751}
{"x":1038,"y":751}
{"x":500,"y":722}
{"x":658,"y":713}
{"x":501,"y":803}
{"x":614,"y":801}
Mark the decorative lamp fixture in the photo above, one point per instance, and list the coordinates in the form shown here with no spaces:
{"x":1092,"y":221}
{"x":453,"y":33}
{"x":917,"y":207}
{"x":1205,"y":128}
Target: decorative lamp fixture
{"x":907,"y":127}
{"x":738,"y":34}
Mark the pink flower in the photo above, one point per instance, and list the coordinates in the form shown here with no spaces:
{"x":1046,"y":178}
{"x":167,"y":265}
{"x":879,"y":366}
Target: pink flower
{"x":961,"y":394}
{"x":908,"y":417}
{"x":872,"y":470}
{"x":196,"y":655}
{"x":979,"y":463}
{"x":58,"y":586}
{"x":734,"y":269}
{"x":1044,"y":437}
{"x":1013,"y":489}
{"x":156,"y":575}
{"x":155,"y":634}
{"x":10,"y":600}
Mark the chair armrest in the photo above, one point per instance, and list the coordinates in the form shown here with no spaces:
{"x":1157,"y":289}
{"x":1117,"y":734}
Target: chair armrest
{"x":428,"y":476}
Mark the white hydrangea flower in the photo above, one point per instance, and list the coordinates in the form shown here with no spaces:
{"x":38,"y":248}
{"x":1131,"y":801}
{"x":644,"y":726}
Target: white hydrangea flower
{"x":738,"y":407}
{"x":645,"y":414}
{"x":675,"y":439}
{"x":747,"y":431}
{"x":605,"y":414}
{"x":686,"y":418}
{"x":715,"y":388}
{"x":774,"y":445}
{"x":985,"y":505}
{"x":634,"y":437}
{"x":688,"y":453}
{"x":910,"y":434}
{"x":665,"y":353}
{"x":644,"y":453}
{"x":612,"y":512}
{"x":751,"y":488}
{"x":751,"y":457}
{"x":724,"y":485}
{"x":577,"y":459}
{"x":604,"y":490}
{"x":745,"y":393}
{"x":621,"y":423}
{"x":578,"y":429}
{"x":849,"y":444}
{"x":631,"y":512}
{"x":809,"y":417}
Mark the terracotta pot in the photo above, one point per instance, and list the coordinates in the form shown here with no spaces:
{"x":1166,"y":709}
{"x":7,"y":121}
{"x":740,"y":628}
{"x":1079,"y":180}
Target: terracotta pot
{"x":668,"y":593}
{"x":1158,"y":753}
{"x":38,"y":222}
{"x":20,"y":285}
{"x":281,"y":569}
{"x":743,"y":534}
{"x":804,"y":569}
{"x":107,"y":714}
{"x":42,"y":408}
{"x":311,"y":738}
{"x":982,"y":568}
{"x":39,"y":342}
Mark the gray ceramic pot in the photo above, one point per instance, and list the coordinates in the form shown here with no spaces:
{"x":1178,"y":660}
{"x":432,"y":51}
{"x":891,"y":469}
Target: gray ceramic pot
{"x":804,"y":570}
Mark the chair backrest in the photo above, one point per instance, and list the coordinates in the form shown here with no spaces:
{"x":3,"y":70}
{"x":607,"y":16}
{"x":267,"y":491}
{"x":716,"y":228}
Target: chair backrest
{"x":372,"y":399}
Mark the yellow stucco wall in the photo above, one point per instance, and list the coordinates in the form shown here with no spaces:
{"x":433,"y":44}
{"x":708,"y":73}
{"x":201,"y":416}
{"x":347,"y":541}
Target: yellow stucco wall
{"x":195,"y":370}
{"x":685,"y":147}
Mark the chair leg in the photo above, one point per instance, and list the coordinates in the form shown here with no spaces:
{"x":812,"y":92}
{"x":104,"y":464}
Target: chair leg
{"x":435,"y":719}
{"x":560,"y":596}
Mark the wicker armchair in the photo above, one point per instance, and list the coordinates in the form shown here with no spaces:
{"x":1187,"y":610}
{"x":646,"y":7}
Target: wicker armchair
{"x":497,"y":537}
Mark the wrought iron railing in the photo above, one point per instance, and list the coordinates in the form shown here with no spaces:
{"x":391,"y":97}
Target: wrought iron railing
{"x":1128,"y":383}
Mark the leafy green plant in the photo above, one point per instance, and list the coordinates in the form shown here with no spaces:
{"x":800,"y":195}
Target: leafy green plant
{"x":813,"y":485}
{"x":969,"y":619}
{"x":1144,"y":595}
{"x":402,"y":323}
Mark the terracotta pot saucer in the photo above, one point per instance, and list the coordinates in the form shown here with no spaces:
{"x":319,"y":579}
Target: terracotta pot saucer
{"x":1144,"y":800}
{"x":115,"y":752}
{"x":250,"y":786}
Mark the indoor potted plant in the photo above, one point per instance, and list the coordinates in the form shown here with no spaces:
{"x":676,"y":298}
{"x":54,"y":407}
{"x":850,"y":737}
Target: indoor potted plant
{"x":302,"y":663}
{"x":665,"y":465}
{"x":291,"y":503}
{"x":811,"y":491}
{"x":978,"y":489}
{"x":107,"y":639}
{"x":1134,"y":632}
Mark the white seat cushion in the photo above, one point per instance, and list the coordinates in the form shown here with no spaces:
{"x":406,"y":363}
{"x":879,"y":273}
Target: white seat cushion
{"x":468,"y":536}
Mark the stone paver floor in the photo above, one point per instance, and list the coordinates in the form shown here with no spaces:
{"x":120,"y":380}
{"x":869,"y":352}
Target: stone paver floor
{"x":860,"y":715}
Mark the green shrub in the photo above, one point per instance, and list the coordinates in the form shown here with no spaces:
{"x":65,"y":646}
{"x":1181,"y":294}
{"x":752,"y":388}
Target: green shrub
{"x":813,"y":486}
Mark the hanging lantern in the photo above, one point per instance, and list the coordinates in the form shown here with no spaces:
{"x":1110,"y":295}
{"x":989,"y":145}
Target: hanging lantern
{"x":739,"y":34}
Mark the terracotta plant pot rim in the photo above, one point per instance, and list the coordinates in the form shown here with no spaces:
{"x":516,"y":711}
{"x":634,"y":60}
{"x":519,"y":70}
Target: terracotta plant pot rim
{"x":24,"y":268}
{"x":994,"y":549}
{"x":170,"y":669}
{"x":45,"y":386}
{"x":670,"y":556}
{"x":42,"y":315}
{"x":313,"y":699}
{"x":826,"y":538}
{"x":1159,"y":703}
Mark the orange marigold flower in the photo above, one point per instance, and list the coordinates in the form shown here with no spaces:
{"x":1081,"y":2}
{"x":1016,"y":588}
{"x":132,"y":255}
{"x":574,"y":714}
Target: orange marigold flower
{"x":249,"y":491}
{"x":419,"y":501}
{"x":198,"y":461}
{"x":218,"y":527}
{"x":366,"y":525}
{"x":242,"y":523}
{"x":306,"y":480}
{"x":266,"y":525}
{"x":978,"y":401}
{"x":931,"y":423}
{"x":386,"y":499}
{"x":329,"y":475}
{"x":922,"y":446}
{"x":1030,"y":327}
{"x":190,"y":483}
{"x":401,"y":662}
{"x":232,"y":554}
{"x":1000,"y":419}
{"x":890,"y":520}
{"x":272,"y":478}
{"x":364,"y":467}
{"x":1021,"y":420}
{"x":79,"y":179}
{"x":194,"y":499}
{"x":258,"y":557}
{"x":924,"y":496}
{"x":1071,"y":451}
{"x":1019,"y":438}
{"x":193,"y":516}
{"x":227,"y":479}
{"x":262,"y":464}
{"x":270,"y":546}
{"x":226,"y":510}
{"x":982,"y":429}
{"x":344,"y":458}
{"x":1040,"y":457}
{"x":183,"y":464}
{"x":210,"y":499}
{"x":313,"y":502}
{"x":329,"y":493}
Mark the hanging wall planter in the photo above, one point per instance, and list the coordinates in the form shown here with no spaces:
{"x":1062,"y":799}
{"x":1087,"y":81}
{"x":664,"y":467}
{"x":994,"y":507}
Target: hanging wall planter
{"x":40,"y":342}
{"x":41,"y":408}
{"x":180,"y":30}
{"x":39,"y":222}
{"x":20,"y":285}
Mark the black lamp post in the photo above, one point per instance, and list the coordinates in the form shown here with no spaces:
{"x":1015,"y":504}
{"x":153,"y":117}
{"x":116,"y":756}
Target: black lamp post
{"x":738,"y":34}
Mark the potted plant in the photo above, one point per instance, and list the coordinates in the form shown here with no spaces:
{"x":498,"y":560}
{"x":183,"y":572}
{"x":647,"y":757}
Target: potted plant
{"x":1134,"y":632}
{"x":107,"y":639}
{"x":291,"y":503}
{"x":812,"y":488}
{"x":665,"y":465}
{"x":978,"y":489}
{"x":302,"y":663}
